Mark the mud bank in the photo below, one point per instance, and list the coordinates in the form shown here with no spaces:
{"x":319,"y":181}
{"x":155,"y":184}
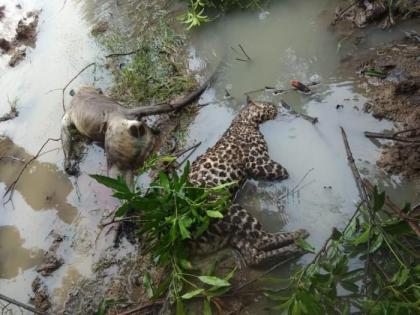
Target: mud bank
{"x":391,"y":76}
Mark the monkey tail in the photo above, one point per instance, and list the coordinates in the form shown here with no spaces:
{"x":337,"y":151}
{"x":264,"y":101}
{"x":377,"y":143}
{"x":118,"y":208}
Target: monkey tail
{"x":138,"y":113}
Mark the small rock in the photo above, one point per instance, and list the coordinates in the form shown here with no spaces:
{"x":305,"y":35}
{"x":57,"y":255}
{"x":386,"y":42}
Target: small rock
{"x":406,"y":87}
{"x":338,"y":106}
{"x":99,"y":28}
{"x":17,"y":57}
{"x":5,"y":45}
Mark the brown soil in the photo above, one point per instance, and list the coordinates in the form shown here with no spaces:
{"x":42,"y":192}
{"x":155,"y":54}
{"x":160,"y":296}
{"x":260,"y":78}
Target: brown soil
{"x":25,"y":36}
{"x":395,"y":95}
{"x":364,"y":12}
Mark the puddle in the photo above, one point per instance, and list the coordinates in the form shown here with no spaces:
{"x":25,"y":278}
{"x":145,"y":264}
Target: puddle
{"x":291,"y":41}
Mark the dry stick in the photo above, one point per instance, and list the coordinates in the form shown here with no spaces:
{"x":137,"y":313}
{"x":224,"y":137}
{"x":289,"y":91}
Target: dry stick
{"x":13,"y":113}
{"x":414,"y":226}
{"x":243,"y":50}
{"x":12,"y":186}
{"x":365,"y":199}
{"x":74,"y":78}
{"x":20,"y":304}
{"x":297,"y":185}
{"x":340,"y":14}
{"x":192,"y":150}
{"x":393,"y":136}
{"x":142,"y":307}
{"x":312,"y":120}
{"x":359,"y":182}
{"x":248,"y":283}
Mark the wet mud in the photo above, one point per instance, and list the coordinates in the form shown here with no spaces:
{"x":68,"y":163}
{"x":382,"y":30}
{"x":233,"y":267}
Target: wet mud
{"x":391,"y":77}
{"x":21,"y":33}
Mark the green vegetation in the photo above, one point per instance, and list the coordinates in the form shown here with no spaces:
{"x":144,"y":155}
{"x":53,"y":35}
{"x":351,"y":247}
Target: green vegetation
{"x":170,"y":213}
{"x":157,"y":71}
{"x":198,"y":11}
{"x":371,"y":267}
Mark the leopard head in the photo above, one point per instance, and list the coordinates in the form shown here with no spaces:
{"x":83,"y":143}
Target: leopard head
{"x":258,"y":112}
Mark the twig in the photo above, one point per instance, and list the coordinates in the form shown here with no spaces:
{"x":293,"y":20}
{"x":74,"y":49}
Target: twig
{"x":11,"y":158}
{"x":20,"y":304}
{"x":342,"y":12}
{"x":297,"y":185}
{"x":12,"y":186}
{"x":411,"y":221}
{"x":74,"y":78}
{"x":192,"y":150}
{"x":248,"y":283}
{"x":243,"y":50}
{"x":312,"y":120}
{"x":392,"y":136}
{"x":142,"y":307}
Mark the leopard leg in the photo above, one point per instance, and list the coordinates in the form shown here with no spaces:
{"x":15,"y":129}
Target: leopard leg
{"x":262,"y":257}
{"x":269,"y":241}
{"x":269,"y":169}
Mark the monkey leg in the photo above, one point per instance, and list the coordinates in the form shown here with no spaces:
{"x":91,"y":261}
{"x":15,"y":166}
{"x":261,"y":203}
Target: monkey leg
{"x":67,"y":127}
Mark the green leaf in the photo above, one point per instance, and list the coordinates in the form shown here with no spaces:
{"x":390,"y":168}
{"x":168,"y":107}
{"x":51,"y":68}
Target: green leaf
{"x":164,"y":181}
{"x":354,"y":275}
{"x":378,"y":199}
{"x":349,"y":286}
{"x":148,"y":285}
{"x":305,"y":245}
{"x":116,"y":184}
{"x":183,"y":229}
{"x":362,"y":238}
{"x":377,"y":242}
{"x":185,"y":264}
{"x":401,"y":276}
{"x":122,"y":211}
{"x":214,"y":214}
{"x":212,"y":280}
{"x":191,"y":294}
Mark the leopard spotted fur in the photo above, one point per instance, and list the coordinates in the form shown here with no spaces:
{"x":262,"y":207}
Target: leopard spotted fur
{"x":241,"y":153}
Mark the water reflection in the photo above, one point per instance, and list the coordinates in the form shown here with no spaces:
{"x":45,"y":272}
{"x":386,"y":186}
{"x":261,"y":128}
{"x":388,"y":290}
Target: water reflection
{"x":15,"y":258}
{"x":42,"y":185}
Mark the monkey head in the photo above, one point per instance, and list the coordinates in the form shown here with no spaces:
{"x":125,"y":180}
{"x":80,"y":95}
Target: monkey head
{"x":128,"y":142}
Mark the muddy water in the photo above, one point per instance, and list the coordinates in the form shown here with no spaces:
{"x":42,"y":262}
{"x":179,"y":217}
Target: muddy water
{"x":294,"y":41}
{"x":46,"y":201}
{"x":291,"y":41}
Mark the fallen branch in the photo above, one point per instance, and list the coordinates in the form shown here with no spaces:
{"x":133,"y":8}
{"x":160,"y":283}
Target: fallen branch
{"x":412,"y":222}
{"x":312,"y":120}
{"x":20,"y":304}
{"x":393,"y":136}
{"x":278,"y":91}
{"x":359,"y":182}
{"x":9,"y":191}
